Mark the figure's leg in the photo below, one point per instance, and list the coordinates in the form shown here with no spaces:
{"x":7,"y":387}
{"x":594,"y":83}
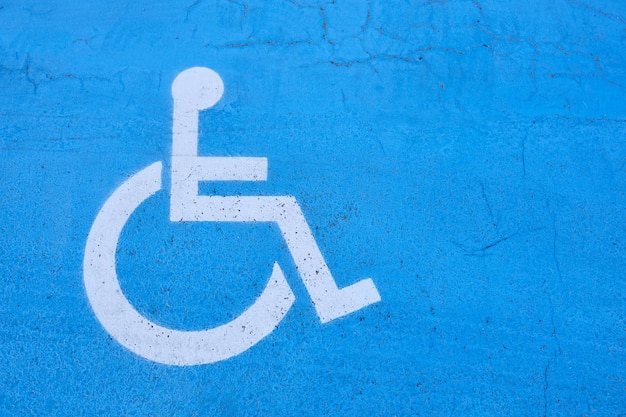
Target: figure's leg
{"x":330,"y":301}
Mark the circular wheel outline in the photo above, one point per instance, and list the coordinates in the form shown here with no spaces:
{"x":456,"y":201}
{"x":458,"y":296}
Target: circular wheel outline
{"x":144,"y":337}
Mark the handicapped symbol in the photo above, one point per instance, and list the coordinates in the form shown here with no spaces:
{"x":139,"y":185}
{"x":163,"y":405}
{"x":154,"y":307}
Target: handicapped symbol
{"x":194,"y":90}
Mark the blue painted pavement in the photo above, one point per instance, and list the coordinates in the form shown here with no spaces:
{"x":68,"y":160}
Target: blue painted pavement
{"x":468,"y":157}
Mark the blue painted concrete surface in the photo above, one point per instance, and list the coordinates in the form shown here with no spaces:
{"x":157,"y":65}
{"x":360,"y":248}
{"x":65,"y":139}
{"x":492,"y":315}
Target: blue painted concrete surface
{"x":468,"y":156}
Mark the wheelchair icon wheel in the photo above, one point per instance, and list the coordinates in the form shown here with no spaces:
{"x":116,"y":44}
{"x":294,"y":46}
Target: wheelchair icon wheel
{"x":148,"y":339}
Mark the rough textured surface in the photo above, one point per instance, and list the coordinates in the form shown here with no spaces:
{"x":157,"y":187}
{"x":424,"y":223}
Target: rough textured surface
{"x":468,"y":156}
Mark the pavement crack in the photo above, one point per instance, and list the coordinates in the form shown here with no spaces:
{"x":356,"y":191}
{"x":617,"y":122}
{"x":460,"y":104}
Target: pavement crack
{"x":597,"y":11}
{"x":484,"y":196}
{"x":191,"y":8}
{"x":546,"y":386}
{"x":482,"y":250}
{"x":555,"y":257}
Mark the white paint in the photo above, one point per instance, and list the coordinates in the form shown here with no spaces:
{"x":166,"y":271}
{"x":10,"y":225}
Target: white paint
{"x":195,"y":90}
{"x":148,"y":339}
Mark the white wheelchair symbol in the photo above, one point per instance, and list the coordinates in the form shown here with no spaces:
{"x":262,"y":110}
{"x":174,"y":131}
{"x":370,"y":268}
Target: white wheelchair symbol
{"x":195,"y":90}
